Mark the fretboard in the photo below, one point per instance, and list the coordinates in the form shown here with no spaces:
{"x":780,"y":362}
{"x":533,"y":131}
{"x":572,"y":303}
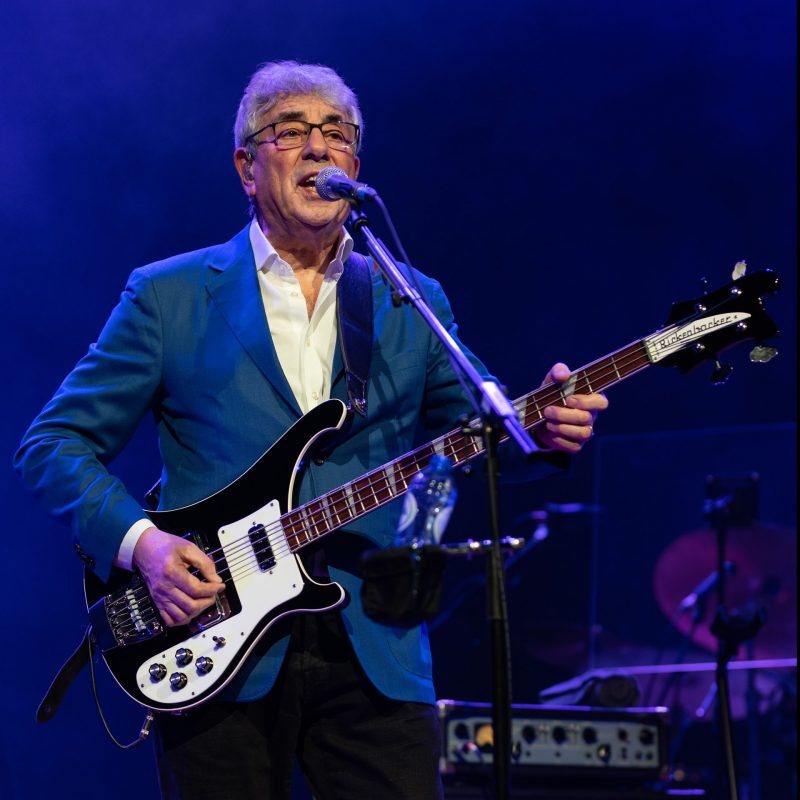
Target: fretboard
{"x":339,"y":507}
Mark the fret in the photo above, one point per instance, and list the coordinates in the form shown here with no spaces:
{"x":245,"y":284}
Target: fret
{"x":305,"y":527}
{"x":350,"y":506}
{"x":326,"y":513}
{"x":364,"y":489}
{"x":358,"y":492}
{"x":375,"y":496}
{"x":292,"y":522}
{"x":391,"y":484}
{"x":337,"y":503}
{"x":309,"y":524}
{"x":409,"y":467}
{"x":315,"y":518}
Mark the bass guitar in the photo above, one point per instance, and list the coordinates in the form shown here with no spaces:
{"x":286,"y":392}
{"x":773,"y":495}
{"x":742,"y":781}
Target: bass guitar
{"x":254,"y":532}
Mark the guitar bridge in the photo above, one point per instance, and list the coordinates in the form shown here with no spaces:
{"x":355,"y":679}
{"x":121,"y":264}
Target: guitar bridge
{"x":125,"y":617}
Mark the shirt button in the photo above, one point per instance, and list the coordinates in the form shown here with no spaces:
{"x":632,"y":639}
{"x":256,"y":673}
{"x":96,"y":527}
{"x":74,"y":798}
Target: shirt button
{"x":308,"y":342}
{"x":314,"y":396}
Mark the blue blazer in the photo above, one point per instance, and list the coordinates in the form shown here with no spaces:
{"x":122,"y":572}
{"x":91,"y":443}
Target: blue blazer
{"x":189,"y":342}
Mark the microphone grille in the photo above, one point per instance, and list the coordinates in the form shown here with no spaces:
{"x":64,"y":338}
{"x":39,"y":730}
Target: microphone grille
{"x":321,"y":183}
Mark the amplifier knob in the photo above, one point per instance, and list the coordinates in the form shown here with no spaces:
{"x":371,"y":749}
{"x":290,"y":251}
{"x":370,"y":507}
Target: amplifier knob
{"x":177,"y":681}
{"x":183,"y":656}
{"x":157,"y":672}
{"x":589,"y":735}
{"x":529,"y":734}
{"x":646,"y":736}
{"x":461,"y":731}
{"x":559,"y":735}
{"x":204,"y":665}
{"x":604,"y":753}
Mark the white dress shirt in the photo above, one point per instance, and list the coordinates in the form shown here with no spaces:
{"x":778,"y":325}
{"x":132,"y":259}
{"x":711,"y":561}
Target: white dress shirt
{"x":304,"y":346}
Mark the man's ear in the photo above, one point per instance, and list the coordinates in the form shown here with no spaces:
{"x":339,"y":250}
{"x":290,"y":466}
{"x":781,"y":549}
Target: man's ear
{"x":243,"y":163}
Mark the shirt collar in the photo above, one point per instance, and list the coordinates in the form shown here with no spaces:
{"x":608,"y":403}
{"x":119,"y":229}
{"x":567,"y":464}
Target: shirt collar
{"x":268,"y":260}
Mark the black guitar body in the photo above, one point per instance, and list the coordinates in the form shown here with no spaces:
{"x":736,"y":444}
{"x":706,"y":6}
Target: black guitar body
{"x":175,"y":668}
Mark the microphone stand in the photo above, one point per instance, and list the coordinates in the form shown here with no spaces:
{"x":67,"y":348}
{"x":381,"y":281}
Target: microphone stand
{"x":497,"y":414}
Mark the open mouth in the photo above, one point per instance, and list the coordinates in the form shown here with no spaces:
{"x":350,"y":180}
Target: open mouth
{"x":309,"y":181}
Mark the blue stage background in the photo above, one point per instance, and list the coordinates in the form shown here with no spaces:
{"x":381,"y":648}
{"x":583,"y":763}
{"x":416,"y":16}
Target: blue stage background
{"x":566,"y":169}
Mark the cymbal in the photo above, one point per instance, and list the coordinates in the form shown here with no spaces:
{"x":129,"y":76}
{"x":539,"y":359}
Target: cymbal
{"x":764,"y":576}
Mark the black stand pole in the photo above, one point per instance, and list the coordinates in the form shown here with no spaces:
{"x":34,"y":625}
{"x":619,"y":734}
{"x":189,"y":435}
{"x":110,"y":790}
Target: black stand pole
{"x":497,"y":615}
{"x":496,"y":413}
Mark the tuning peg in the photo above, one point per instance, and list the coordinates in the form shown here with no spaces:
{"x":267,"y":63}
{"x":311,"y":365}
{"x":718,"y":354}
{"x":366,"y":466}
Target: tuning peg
{"x":739,"y":269}
{"x":720,"y":373}
{"x":760,"y":354}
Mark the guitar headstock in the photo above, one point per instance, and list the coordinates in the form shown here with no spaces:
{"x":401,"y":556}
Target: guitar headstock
{"x":699,"y":330}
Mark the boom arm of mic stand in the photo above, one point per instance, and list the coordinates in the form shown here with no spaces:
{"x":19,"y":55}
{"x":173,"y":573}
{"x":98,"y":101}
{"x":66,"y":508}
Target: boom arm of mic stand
{"x":493,"y":401}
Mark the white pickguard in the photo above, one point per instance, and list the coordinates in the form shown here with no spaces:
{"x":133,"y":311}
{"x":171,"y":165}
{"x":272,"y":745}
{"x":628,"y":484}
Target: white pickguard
{"x":259,"y":592}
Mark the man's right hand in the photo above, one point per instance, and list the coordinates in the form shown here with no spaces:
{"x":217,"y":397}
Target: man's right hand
{"x":164,"y":562}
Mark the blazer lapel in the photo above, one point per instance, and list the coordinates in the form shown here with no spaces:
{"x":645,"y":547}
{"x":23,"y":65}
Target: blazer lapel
{"x":233,"y":286}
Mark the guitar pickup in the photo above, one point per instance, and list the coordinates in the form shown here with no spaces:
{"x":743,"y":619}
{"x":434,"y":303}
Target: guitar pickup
{"x":262,"y":549}
{"x":212,"y":615}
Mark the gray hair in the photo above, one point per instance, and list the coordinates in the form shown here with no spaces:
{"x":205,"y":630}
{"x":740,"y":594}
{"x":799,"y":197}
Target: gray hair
{"x":278,"y":79}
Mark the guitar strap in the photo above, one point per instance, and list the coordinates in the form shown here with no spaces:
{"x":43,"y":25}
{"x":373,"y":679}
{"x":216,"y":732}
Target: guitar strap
{"x":354,"y":312}
{"x":68,"y":672}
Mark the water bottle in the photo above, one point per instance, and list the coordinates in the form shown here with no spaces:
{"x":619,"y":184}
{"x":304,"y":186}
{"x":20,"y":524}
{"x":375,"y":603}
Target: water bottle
{"x":428,"y":505}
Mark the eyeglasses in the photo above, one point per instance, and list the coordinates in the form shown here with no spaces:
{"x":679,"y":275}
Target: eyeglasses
{"x":289,"y":134}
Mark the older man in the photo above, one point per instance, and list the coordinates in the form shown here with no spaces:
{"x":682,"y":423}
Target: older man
{"x":228,"y":347}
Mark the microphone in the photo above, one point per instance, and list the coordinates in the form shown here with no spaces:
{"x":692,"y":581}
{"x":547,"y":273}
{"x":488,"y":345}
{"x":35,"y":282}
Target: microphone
{"x":694,"y":600}
{"x":333,"y":184}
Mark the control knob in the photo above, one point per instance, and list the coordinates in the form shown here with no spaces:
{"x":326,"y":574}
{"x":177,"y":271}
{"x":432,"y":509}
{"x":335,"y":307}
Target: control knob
{"x":204,"y":665}
{"x":178,"y":680}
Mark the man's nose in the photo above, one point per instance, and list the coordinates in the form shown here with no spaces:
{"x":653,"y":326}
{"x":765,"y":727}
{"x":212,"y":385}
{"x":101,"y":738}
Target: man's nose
{"x":316,"y":145}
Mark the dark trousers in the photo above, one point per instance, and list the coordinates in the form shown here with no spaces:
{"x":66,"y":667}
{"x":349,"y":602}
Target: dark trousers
{"x":351,"y":742}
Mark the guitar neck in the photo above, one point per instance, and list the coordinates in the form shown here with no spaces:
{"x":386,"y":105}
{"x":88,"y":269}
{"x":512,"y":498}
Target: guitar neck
{"x":337,"y":508}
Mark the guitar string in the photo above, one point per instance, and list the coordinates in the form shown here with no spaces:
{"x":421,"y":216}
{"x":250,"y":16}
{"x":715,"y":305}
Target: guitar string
{"x":242,"y":552}
{"x":364,"y":493}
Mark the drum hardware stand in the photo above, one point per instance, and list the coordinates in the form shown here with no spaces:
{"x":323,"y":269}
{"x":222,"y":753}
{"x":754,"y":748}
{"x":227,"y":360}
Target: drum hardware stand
{"x":729,"y":502}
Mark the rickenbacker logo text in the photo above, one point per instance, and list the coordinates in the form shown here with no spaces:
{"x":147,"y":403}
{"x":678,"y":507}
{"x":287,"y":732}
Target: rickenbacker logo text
{"x":677,"y":337}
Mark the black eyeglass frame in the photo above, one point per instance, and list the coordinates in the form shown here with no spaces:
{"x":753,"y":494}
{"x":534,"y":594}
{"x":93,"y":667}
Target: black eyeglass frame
{"x":352,"y":147}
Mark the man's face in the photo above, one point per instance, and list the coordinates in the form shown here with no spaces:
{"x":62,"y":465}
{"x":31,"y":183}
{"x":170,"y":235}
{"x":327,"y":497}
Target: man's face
{"x":283,"y":180}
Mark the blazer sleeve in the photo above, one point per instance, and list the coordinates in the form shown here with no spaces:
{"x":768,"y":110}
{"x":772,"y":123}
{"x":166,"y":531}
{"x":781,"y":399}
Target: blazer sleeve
{"x":64,"y":454}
